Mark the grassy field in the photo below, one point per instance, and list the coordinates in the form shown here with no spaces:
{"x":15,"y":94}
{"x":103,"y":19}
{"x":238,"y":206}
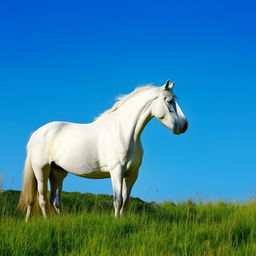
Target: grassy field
{"x":87,"y":227}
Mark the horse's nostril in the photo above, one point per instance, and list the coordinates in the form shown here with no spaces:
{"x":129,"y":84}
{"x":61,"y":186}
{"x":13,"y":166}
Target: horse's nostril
{"x":185,"y":126}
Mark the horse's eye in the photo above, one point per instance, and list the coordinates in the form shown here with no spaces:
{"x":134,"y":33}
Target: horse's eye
{"x":169,"y":101}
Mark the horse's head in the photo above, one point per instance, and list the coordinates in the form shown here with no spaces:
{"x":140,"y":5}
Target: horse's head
{"x":166,"y":109}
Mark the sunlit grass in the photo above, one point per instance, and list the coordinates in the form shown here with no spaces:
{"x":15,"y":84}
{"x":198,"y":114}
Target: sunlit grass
{"x":87,"y":227}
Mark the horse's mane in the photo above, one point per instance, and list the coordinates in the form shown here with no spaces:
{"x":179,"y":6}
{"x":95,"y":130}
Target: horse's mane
{"x":120,"y":100}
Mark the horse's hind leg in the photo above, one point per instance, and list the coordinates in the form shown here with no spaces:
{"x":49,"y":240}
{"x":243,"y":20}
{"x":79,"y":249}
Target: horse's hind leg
{"x":42,"y":175}
{"x":29,"y":211}
{"x":57,"y":176}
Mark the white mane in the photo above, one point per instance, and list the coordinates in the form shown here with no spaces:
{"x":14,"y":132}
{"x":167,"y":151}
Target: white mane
{"x":120,"y":100}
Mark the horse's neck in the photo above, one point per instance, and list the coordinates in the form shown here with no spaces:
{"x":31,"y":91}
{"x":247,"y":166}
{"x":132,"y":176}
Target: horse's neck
{"x":134,"y":116}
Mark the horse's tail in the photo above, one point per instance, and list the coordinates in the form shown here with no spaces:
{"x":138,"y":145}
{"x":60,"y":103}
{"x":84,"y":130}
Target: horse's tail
{"x":29,"y":188}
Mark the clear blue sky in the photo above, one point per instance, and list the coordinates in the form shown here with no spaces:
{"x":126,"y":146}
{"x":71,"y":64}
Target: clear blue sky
{"x":67,"y":60}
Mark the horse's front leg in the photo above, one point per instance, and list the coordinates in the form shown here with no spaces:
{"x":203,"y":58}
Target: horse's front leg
{"x":117,"y":183}
{"x":128,"y":183}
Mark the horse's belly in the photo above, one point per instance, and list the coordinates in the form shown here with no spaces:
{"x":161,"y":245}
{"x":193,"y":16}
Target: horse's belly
{"x":92,"y":170}
{"x":93,"y":174}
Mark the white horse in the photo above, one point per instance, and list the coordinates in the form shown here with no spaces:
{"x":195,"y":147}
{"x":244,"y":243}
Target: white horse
{"x":108,"y":147}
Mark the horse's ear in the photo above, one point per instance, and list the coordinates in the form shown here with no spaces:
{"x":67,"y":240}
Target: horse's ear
{"x":171,"y":85}
{"x":168,"y":85}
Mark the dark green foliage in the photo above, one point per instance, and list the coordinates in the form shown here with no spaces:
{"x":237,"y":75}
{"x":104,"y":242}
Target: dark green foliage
{"x":8,"y":203}
{"x":87,"y":227}
{"x":74,"y":202}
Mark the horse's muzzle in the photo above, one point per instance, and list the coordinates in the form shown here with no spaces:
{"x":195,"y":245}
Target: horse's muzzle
{"x":185,"y":127}
{"x":178,"y":130}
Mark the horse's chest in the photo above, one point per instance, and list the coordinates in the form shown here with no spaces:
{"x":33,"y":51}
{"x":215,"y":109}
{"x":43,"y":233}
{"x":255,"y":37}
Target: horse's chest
{"x":134,"y":159}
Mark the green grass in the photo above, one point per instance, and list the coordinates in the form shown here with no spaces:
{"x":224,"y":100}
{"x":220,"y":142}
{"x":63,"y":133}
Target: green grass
{"x":87,"y":227}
